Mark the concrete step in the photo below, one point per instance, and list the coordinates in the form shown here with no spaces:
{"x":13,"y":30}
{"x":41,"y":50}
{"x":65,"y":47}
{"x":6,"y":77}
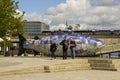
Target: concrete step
{"x":70,"y":67}
{"x":103,"y":68}
{"x":23,"y":71}
{"x":63,"y":65}
{"x":104,"y":64}
{"x":75,"y":61}
{"x":67,"y":65}
{"x":100,"y":61}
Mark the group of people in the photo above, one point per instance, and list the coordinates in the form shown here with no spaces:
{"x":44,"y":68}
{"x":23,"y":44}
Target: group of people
{"x":65,"y":45}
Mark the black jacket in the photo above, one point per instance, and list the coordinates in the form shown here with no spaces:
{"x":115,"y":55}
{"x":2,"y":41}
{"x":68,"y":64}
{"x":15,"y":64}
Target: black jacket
{"x":72,"y":44}
{"x":65,"y":44}
{"x":53,"y":47}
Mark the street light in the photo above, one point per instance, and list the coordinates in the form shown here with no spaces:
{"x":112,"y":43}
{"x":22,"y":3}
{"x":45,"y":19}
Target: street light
{"x":4,"y":41}
{"x":4,"y":48}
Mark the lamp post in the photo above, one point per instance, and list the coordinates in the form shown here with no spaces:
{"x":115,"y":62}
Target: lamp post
{"x":4,"y":51}
{"x":1,"y":40}
{"x":4,"y":41}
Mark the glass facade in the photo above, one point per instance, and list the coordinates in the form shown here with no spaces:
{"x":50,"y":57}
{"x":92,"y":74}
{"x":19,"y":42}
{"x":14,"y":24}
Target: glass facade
{"x":35,"y":28}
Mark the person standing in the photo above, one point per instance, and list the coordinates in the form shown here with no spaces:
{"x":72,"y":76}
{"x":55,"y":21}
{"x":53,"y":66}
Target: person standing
{"x":21,"y":42}
{"x":72,"y":47}
{"x":65,"y":45}
{"x":53,"y":47}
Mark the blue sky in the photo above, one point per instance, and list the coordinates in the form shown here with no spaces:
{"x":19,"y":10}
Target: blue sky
{"x":39,"y":6}
{"x":90,"y":14}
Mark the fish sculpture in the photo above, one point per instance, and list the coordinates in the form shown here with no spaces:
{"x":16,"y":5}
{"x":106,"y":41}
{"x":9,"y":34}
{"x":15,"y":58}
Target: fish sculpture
{"x":86,"y":45}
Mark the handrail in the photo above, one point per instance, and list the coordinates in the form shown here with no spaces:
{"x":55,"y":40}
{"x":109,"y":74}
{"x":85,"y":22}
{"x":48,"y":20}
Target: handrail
{"x":109,"y":48}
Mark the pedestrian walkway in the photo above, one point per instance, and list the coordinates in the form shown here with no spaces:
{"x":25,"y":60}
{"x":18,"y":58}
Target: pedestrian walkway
{"x":33,"y":68}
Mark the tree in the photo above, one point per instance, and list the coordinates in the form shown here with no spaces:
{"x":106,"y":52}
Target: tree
{"x":11,"y":20}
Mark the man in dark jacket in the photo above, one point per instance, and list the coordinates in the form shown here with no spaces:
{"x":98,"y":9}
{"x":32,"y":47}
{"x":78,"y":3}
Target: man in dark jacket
{"x":21,"y":42}
{"x":53,"y":47}
{"x":65,"y":44}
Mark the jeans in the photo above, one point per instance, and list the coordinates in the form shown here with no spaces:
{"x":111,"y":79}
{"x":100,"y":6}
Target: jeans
{"x":72,"y":49}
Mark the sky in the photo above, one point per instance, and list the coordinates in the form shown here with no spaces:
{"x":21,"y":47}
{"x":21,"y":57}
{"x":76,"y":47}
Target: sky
{"x":39,"y":6}
{"x":90,"y":14}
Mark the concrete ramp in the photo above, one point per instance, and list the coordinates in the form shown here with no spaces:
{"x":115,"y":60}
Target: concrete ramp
{"x":109,"y":48}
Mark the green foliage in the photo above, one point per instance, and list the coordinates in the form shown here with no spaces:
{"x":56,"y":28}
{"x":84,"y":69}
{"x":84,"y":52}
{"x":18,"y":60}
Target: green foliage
{"x":7,"y":43}
{"x":11,"y":20}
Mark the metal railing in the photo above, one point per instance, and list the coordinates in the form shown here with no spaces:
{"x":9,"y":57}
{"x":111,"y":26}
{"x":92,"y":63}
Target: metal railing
{"x":109,"y":48}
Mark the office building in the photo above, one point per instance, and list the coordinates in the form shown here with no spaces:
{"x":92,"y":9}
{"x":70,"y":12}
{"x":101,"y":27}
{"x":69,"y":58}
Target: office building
{"x":34,"y":28}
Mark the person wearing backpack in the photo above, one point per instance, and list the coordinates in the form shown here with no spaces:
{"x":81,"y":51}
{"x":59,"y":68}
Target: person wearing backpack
{"x":65,"y":45}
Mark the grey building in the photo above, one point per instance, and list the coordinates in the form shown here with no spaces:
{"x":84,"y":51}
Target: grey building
{"x":34,"y":28}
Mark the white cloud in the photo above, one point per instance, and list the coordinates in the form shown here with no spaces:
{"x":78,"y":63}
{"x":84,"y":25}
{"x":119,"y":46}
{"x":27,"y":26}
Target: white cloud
{"x":72,"y":9}
{"x":91,"y":14}
{"x":96,"y":14}
{"x":104,"y":2}
{"x":32,"y":17}
{"x":36,"y":17}
{"x":60,"y":26}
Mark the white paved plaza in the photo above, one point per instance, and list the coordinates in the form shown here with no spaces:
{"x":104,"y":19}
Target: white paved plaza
{"x":9,"y":63}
